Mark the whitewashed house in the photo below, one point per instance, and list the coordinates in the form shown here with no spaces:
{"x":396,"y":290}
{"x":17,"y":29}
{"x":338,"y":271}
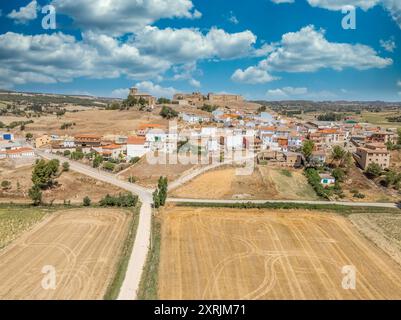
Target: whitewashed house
{"x":136,"y":147}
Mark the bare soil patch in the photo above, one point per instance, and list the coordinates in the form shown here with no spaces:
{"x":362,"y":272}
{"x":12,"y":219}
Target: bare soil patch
{"x":71,"y":186}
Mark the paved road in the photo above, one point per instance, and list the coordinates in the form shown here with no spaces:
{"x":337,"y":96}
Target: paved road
{"x":140,"y":249}
{"x":352,"y":204}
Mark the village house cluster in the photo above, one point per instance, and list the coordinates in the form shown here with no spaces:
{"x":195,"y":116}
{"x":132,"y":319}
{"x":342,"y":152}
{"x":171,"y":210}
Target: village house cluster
{"x":271,"y":138}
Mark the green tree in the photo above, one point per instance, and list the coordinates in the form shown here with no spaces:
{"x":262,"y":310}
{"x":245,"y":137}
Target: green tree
{"x":6,"y":185}
{"x":29,"y":136}
{"x":390,"y":178}
{"x":156,"y":199}
{"x":35,"y":194}
{"x":86,"y":201}
{"x":43,"y":173}
{"x":339,"y":174}
{"x":373,"y":170}
{"x":97,"y":160}
{"x":338,"y":154}
{"x":168,"y":113}
{"x":163,"y":101}
{"x":66,"y":166}
{"x":77,"y":155}
{"x":307,"y":149}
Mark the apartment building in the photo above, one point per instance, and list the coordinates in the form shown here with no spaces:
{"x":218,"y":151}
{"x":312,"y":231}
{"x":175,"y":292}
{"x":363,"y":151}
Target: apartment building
{"x":373,"y":153}
{"x":42,"y":141}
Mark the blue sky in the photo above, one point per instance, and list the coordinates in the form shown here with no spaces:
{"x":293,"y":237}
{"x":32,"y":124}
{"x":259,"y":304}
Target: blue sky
{"x":258,"y":48}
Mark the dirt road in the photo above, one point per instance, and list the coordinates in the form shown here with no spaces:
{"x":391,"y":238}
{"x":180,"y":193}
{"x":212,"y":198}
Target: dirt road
{"x":139,"y":253}
{"x":342,"y":203}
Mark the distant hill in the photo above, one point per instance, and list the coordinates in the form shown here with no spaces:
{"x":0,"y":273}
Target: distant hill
{"x":50,"y":98}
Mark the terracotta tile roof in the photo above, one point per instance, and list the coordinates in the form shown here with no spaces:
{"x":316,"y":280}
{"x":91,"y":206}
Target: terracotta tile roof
{"x":87,"y":136}
{"x":136,"y":140}
{"x":150,"y":126}
{"x":328,"y":131}
{"x":267,"y":128}
{"x":112,"y":146}
{"x":19,"y":150}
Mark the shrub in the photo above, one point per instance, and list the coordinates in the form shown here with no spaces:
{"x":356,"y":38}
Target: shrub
{"x":286,"y":173}
{"x":122,"y":200}
{"x":5,"y":185}
{"x":66,"y":166}
{"x":134,"y":160}
{"x":86,"y":201}
{"x":373,"y":170}
{"x":132,"y":179}
{"x":66,"y":153}
{"x":35,"y":194}
{"x":359,"y":195}
{"x":109,"y":166}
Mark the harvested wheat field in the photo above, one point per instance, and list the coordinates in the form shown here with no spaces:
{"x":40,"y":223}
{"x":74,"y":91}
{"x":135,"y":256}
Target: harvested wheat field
{"x":225,"y":184}
{"x":210,"y":253}
{"x":263,"y":183}
{"x":383,"y":229}
{"x":83,"y":245}
{"x":91,"y":120}
{"x":148,"y":174}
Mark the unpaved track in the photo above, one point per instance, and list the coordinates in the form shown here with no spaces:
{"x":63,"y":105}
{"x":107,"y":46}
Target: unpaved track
{"x":259,"y":254}
{"x":81,"y":244}
{"x":341,"y":203}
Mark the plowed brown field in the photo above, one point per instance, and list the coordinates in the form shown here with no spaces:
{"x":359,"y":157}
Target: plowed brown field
{"x":210,"y":253}
{"x":83,"y":245}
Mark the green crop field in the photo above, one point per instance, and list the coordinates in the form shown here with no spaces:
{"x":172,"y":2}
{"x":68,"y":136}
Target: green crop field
{"x":16,"y":219}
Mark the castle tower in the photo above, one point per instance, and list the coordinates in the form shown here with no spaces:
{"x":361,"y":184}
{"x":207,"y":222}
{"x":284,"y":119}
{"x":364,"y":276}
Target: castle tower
{"x":133,"y":91}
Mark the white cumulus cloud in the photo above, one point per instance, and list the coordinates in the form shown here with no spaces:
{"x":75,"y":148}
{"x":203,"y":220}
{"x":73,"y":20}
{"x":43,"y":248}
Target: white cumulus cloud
{"x":25,"y":14}
{"x":388,"y":45}
{"x":123,"y":16}
{"x":308,"y":51}
{"x":155,"y":89}
{"x":252,"y":75}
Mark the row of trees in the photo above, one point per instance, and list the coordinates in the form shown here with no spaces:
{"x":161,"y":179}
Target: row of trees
{"x":330,"y":116}
{"x":160,"y":194}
